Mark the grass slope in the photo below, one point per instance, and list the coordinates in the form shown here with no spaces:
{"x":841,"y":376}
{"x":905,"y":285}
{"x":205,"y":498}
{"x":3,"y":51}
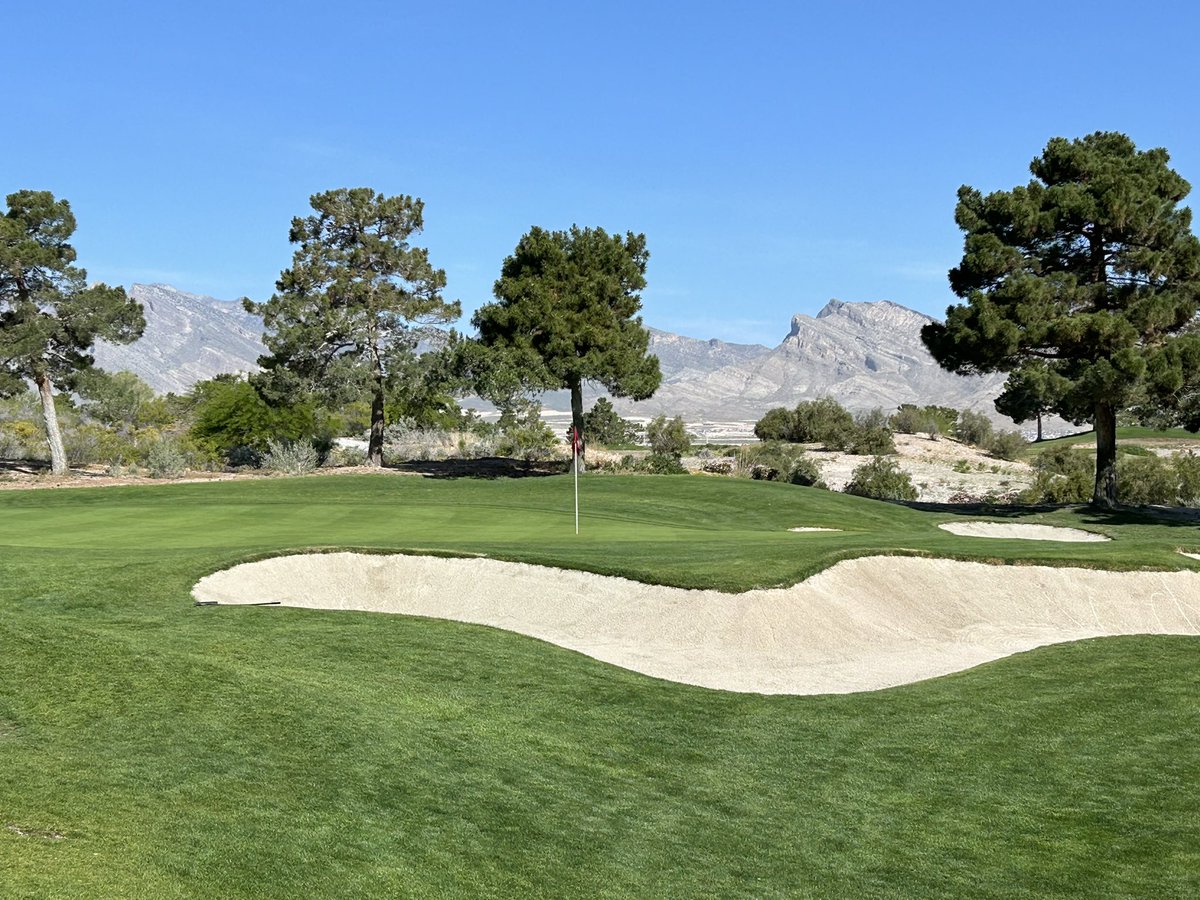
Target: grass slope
{"x":184,"y":751}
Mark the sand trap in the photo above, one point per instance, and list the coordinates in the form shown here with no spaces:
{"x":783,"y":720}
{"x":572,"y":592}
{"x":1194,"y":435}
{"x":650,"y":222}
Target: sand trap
{"x":1021,"y":532}
{"x":807,"y":528}
{"x":1189,"y":555}
{"x":862,"y":625}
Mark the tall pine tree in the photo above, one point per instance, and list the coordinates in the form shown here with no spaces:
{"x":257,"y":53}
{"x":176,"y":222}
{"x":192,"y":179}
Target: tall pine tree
{"x":1092,"y":269}
{"x":49,"y":317}
{"x":340,"y":325}
{"x":566,"y":309}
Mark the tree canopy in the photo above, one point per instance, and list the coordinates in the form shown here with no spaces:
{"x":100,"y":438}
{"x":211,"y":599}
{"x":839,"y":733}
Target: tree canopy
{"x":1091,"y":269}
{"x":340,"y":325}
{"x":566,"y":312}
{"x":50,"y":318}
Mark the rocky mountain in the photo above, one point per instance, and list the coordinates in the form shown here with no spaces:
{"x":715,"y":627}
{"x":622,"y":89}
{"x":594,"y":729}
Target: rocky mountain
{"x":188,"y":338}
{"x":862,"y":354}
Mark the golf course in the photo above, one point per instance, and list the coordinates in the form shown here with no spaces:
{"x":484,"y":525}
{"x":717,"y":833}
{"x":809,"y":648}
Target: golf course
{"x":152,"y":747}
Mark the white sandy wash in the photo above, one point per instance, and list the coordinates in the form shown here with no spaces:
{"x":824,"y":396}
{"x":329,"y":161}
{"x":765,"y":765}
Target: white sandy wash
{"x":862,"y":625}
{"x":1022,"y":532}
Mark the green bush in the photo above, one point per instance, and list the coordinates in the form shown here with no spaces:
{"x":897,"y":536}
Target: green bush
{"x":1006,"y":445}
{"x":973,"y":428}
{"x":777,"y":425}
{"x":823,"y":421}
{"x":1146,"y":481}
{"x":881,"y":479}
{"x":526,"y":437}
{"x":166,"y":459}
{"x":804,"y":471}
{"x":871,"y":435}
{"x":290,"y":457}
{"x":1061,"y":475}
{"x":661,"y":464}
{"x":772,"y":459}
{"x":668,"y":437}
{"x":1187,"y":473}
{"x":909,"y":419}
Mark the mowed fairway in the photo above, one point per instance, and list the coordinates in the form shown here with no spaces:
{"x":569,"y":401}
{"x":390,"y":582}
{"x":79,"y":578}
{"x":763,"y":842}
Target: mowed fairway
{"x":150,"y":748}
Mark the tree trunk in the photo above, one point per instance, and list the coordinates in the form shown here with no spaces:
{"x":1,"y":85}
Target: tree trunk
{"x":577,"y":421}
{"x":375,"y":447}
{"x":58,"y":456}
{"x":1039,"y":421}
{"x":1105,"y":495}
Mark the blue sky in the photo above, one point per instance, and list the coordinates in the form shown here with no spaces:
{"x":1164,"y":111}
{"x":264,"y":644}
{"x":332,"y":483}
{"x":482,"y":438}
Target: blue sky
{"x":775,"y":154}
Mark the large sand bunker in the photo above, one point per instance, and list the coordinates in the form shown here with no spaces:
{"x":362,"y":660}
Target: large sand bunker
{"x":1022,"y":531}
{"x":862,"y":625}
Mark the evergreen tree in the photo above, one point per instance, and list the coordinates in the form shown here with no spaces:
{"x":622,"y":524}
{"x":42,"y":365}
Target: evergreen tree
{"x":1030,"y":392}
{"x":340,"y":323}
{"x":566,"y":311}
{"x":1091,"y":268}
{"x":49,"y":317}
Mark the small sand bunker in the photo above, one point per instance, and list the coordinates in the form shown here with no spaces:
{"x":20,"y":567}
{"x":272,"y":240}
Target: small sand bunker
{"x":1189,"y":555}
{"x":861,"y":625}
{"x":807,"y":528}
{"x":1022,"y":532}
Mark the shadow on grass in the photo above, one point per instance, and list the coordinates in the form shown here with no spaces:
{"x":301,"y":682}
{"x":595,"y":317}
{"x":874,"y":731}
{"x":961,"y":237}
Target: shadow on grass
{"x":488,"y":467}
{"x":1123,"y":515}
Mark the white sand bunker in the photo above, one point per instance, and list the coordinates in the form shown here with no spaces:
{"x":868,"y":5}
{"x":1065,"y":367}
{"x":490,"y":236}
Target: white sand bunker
{"x":1022,"y":532}
{"x":807,"y":528}
{"x":1189,"y":555}
{"x":862,"y":625}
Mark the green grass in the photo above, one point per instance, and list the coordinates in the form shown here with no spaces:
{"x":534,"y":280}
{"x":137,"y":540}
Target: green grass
{"x":210,"y":752}
{"x":1158,"y":437}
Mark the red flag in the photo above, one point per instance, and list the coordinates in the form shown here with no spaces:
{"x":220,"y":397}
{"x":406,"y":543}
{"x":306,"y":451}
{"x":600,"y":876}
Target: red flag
{"x":576,"y":442}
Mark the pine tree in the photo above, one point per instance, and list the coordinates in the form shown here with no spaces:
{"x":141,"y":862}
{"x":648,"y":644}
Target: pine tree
{"x":49,"y":317}
{"x":340,"y":323}
{"x":1091,"y":268}
{"x":566,"y":309}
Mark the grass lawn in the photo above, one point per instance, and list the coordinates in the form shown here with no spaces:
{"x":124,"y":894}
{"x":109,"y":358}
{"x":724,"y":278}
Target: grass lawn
{"x":1130,"y":435}
{"x":150,"y":748}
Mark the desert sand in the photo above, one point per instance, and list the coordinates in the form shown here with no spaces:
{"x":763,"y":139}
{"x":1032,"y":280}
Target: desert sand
{"x":861,"y":625}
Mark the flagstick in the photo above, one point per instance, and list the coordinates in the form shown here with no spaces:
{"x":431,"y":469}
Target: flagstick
{"x":576,"y":491}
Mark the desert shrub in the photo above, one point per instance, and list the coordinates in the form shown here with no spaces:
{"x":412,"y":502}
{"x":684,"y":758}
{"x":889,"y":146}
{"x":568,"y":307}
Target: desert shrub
{"x":604,"y":428}
{"x":526,"y":436}
{"x":973,"y":428}
{"x":1146,"y":481}
{"x":1006,"y":444}
{"x":823,"y":421}
{"x":1061,"y":475}
{"x":772,"y":459}
{"x":962,"y":466}
{"x":777,"y":425}
{"x":22,"y":439}
{"x":661,"y":464}
{"x":406,"y":439}
{"x":871,"y":435}
{"x":804,"y":471}
{"x":345,"y":456}
{"x":719,"y":466}
{"x":166,"y":459}
{"x":668,"y":437}
{"x":1187,"y":473}
{"x":909,"y":419}
{"x":882,"y":479}
{"x":243,"y":458}
{"x":290,"y":457}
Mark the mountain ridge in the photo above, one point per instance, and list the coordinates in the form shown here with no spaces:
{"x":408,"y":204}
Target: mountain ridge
{"x":863,"y":354}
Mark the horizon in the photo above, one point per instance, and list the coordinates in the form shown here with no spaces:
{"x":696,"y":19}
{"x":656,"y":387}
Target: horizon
{"x":775,"y":158}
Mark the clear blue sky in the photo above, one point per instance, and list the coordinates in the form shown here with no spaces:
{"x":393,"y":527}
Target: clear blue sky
{"x":774,"y":154}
